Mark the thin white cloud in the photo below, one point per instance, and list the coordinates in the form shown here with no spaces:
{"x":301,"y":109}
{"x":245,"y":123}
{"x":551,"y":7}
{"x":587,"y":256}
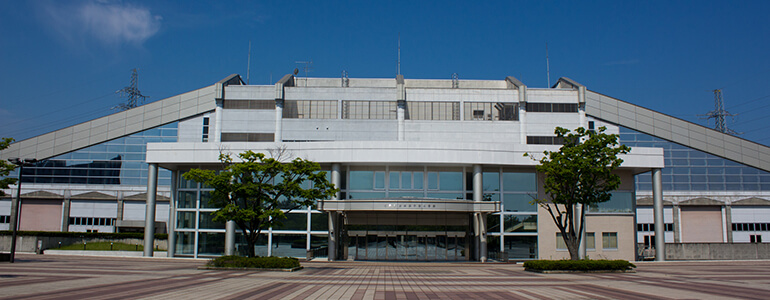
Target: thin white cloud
{"x":109,"y":23}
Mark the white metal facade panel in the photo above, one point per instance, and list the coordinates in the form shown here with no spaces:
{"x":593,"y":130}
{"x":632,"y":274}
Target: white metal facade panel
{"x":750,"y":214}
{"x":135,"y":211}
{"x":5,"y":207}
{"x":93,"y":208}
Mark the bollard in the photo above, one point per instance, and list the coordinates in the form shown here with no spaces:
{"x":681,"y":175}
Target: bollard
{"x":84,"y":245}
{"x":110,"y":246}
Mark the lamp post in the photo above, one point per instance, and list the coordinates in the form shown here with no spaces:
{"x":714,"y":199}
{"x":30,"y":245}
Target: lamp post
{"x":17,"y":201}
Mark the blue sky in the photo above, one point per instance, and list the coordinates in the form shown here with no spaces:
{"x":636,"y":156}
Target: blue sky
{"x":62,"y":61}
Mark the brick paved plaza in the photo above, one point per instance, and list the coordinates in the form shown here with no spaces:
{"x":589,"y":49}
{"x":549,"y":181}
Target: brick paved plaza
{"x":72,"y":277}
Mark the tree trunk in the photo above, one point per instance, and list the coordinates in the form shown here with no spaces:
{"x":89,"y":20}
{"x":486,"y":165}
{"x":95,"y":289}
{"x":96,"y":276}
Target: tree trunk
{"x":574,"y":252}
{"x":251,"y":242}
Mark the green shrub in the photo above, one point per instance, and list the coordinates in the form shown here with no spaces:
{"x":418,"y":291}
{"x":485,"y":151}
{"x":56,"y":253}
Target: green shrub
{"x":102,"y":246}
{"x":254,"y":262}
{"x":579,"y":265}
{"x":93,"y":235}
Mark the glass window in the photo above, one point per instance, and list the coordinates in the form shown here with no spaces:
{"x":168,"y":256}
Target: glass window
{"x":609,"y":240}
{"x":590,"y":241}
{"x":560,"y":244}
{"x":185,"y":220}
{"x":186,"y":199}
{"x":366,"y":195}
{"x":406,"y":180}
{"x":406,"y":195}
{"x":394,"y":180}
{"x":293,"y":221}
{"x":520,"y":247}
{"x":291,"y":245}
{"x":433,"y":180}
{"x":319,"y":222}
{"x":207,"y":221}
{"x":456,"y":196}
{"x":619,"y":202}
{"x":518,"y":223}
{"x":185,"y":241}
{"x":493,"y":223}
{"x":206,"y":200}
{"x":417,"y":180}
{"x":362,"y":180}
{"x":450,"y":181}
{"x":519,"y":182}
{"x":491,"y":181}
{"x":211,"y":243}
{"x":519,"y":202}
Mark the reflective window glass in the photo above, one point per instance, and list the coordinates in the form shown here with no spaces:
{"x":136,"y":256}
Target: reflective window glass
{"x":519,"y":202}
{"x":491,"y":181}
{"x":450,"y":181}
{"x":361,"y":180}
{"x":186,"y":199}
{"x":519,"y":182}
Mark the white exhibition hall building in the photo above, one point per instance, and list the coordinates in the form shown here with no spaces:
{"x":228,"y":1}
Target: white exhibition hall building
{"x":428,"y":170}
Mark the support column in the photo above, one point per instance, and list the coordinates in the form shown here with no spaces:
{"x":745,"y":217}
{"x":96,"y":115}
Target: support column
{"x":333,"y":239}
{"x":230,"y":237}
{"x":483,"y":237}
{"x":149,"y":218}
{"x":400,"y":113}
{"x":278,"y":137}
{"x":334,"y":229}
{"x":657,"y":198}
{"x":218,"y":121}
{"x":676,"y":212}
{"x":479,"y":219}
{"x":401,"y":106}
{"x":729,"y":222}
{"x":65,"y":215}
{"x":579,"y":211}
{"x":171,"y":248}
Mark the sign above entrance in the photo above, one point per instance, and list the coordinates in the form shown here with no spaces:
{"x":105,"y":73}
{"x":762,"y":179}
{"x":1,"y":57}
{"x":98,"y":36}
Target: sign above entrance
{"x":435,"y":205}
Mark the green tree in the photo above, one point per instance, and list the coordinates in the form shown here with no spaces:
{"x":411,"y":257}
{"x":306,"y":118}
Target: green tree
{"x":581,"y":172}
{"x":6,"y":167}
{"x":256,"y":191}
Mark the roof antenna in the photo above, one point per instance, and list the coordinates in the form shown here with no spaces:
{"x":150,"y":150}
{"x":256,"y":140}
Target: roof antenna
{"x":547,"y":66}
{"x":399,"y":54}
{"x":248,"y":65}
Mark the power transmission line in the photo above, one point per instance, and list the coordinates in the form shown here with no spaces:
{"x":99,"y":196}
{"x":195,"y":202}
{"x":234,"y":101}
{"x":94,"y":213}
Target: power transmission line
{"x":135,"y":97}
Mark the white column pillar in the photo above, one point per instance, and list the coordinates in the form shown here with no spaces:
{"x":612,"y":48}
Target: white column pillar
{"x":278,"y":120}
{"x":171,"y":249}
{"x":218,"y":121}
{"x":333,"y":215}
{"x":149,"y":218}
{"x":230,"y":237}
{"x":332,"y":236}
{"x":579,"y":211}
{"x":657,"y":198}
{"x":479,"y":218}
{"x":522,"y":124}
{"x":401,"y":114}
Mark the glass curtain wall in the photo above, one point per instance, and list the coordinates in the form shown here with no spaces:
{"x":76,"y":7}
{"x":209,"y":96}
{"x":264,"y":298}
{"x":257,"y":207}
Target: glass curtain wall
{"x":512,"y":232}
{"x":197,"y":235}
{"x":687,"y":169}
{"x":117,"y":162}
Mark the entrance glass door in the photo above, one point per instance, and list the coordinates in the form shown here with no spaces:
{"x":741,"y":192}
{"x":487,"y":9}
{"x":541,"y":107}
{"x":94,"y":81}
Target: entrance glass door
{"x":407,"y":246}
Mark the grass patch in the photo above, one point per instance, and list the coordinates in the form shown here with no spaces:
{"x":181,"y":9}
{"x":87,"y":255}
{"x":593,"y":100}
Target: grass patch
{"x":254,"y":262}
{"x":102,"y":246}
{"x":579,"y":265}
